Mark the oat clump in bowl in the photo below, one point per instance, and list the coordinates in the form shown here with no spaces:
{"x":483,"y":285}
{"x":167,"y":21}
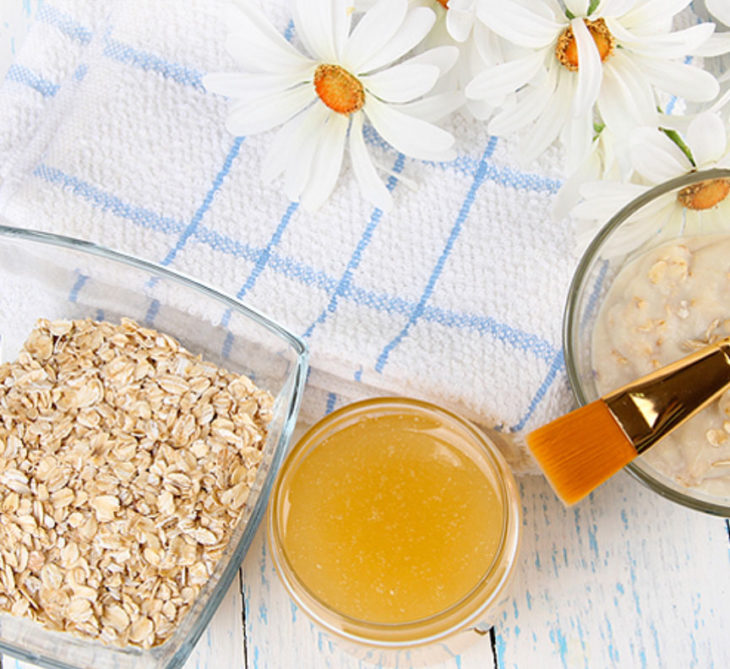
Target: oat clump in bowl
{"x":125,"y":464}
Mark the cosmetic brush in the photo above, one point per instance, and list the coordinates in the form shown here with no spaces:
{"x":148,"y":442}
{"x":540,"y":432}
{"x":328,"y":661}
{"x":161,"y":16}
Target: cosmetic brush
{"x":582,"y":449}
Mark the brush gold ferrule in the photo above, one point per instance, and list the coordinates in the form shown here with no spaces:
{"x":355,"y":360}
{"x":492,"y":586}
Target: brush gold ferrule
{"x":654,"y":405}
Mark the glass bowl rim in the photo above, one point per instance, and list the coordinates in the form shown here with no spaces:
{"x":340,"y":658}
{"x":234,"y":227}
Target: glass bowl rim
{"x":76,"y":244}
{"x":179,"y":653}
{"x":474,"y":602}
{"x":570,"y":315}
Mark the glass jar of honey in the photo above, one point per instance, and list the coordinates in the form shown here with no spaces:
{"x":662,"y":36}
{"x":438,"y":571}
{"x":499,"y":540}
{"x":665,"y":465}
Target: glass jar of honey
{"x":394,"y":524}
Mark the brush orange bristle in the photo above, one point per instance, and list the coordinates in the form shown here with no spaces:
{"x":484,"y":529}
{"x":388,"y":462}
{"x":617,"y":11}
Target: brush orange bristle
{"x":579,"y":451}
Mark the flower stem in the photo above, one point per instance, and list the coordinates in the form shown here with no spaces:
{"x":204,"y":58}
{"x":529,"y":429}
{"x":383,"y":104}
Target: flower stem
{"x":674,"y":136}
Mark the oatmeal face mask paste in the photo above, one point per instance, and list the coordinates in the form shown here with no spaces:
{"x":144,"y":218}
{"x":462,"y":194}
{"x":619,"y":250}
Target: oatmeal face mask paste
{"x":661,"y":306}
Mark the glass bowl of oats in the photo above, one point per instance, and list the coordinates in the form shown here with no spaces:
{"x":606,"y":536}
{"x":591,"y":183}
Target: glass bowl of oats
{"x":143,"y":417}
{"x":652,"y":286}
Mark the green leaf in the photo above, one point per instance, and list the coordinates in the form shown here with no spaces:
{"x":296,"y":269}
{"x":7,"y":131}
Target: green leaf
{"x":569,"y":14}
{"x":593,"y":6}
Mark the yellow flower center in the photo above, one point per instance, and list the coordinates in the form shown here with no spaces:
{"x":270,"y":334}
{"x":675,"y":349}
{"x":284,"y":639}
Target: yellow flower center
{"x":338,"y":89}
{"x":705,"y":194}
{"x":444,"y":3}
{"x":566,"y":49}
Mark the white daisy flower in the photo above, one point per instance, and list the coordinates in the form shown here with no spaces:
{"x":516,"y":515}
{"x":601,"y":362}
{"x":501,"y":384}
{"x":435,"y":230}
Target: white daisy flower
{"x":322,"y":98}
{"x":656,"y":157}
{"x":479,"y":47}
{"x":585,"y":61}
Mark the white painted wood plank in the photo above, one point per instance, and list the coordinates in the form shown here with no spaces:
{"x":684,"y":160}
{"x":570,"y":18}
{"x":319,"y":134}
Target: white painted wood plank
{"x":625,"y":579}
{"x":222,"y":643}
{"x":278,"y":634}
{"x":220,"y":646}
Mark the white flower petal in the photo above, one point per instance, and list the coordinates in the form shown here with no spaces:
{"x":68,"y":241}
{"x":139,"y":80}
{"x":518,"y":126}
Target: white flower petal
{"x":655,"y":156}
{"x":720,"y":9}
{"x":342,"y":24}
{"x":590,"y":69}
{"x":500,"y":80}
{"x":288,"y":137}
{"x":686,"y":81}
{"x":371,"y":186}
{"x":612,"y":8}
{"x":315,"y":25}
{"x":327,"y":162}
{"x":626,"y":99}
{"x":720,"y":103}
{"x":409,"y":135}
{"x":488,"y":44}
{"x":676,"y":44}
{"x":577,"y":7}
{"x":401,"y":83}
{"x":374,"y":30}
{"x":443,"y":57}
{"x":301,"y":156}
{"x":603,"y":199}
{"x":531,"y":105}
{"x":245,"y":85}
{"x":257,"y":47}
{"x":568,"y":194}
{"x":416,"y":25}
{"x":707,"y":139}
{"x":717,"y":45}
{"x":577,"y":137}
{"x":550,"y":122}
{"x":249,"y":117}
{"x":459,"y":23}
{"x":646,"y":13}
{"x":434,"y":107}
{"x":519,"y":24}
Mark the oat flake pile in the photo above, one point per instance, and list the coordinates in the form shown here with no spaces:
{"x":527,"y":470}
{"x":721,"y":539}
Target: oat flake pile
{"x":125,"y":463}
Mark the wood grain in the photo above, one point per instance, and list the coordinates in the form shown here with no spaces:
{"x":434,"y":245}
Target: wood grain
{"x":625,"y":579}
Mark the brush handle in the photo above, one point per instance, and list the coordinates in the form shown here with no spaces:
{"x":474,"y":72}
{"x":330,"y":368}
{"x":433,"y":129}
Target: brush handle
{"x":650,"y":407}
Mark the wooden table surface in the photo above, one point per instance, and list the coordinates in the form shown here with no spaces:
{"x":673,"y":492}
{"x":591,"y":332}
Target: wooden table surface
{"x":624,"y":579}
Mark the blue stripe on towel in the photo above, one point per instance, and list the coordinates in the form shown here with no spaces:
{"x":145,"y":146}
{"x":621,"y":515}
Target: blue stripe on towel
{"x":265,"y":254}
{"x":345,"y":281}
{"x":107,"y":202}
{"x":25,"y":76}
{"x":557,"y":366}
{"x":151,"y":62}
{"x":65,"y":23}
{"x":261,"y":261}
{"x":207,"y":201}
{"x":436,"y":273}
{"x":298,"y":271}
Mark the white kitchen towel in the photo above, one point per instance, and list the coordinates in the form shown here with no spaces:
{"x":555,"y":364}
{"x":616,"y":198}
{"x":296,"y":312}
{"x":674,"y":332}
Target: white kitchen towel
{"x":455,"y":296}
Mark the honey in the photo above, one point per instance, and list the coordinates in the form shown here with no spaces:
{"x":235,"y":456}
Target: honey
{"x":391,"y":519}
{"x":394,"y":523}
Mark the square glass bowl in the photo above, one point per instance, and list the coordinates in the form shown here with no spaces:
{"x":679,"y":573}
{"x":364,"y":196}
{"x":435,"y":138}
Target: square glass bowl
{"x":655,"y":218}
{"x":48,"y":276}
